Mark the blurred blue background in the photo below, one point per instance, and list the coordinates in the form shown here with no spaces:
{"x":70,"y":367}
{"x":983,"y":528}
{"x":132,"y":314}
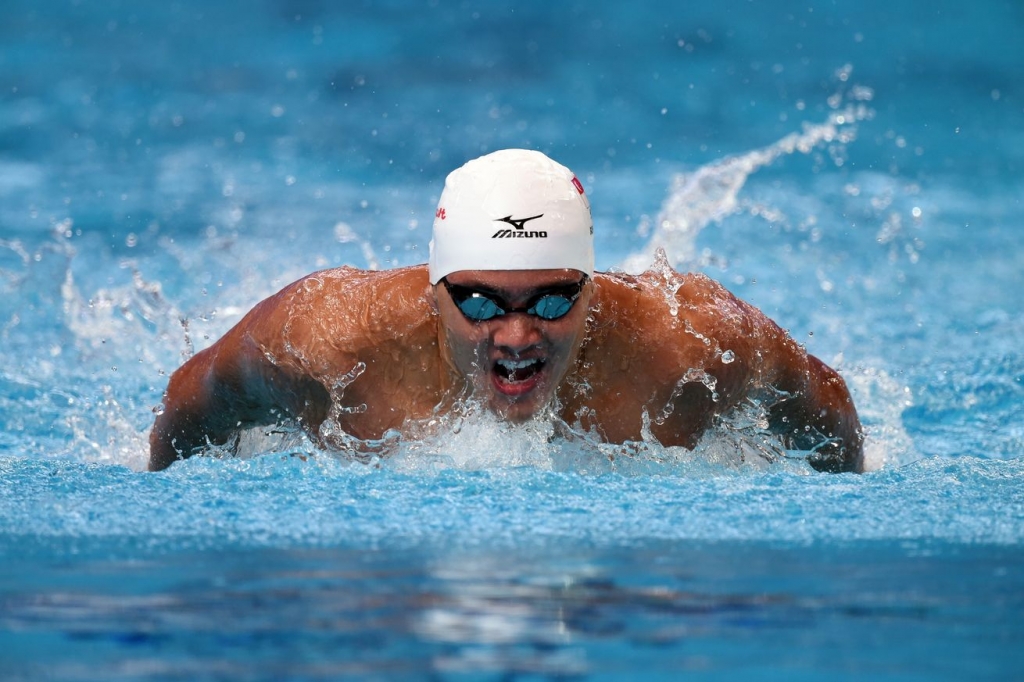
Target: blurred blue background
{"x":164,"y":166}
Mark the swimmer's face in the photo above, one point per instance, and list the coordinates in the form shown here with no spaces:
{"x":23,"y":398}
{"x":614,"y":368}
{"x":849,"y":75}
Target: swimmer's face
{"x":513,"y":362}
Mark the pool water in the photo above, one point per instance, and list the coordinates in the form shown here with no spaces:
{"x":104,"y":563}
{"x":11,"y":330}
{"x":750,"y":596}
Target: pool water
{"x":854,"y":169}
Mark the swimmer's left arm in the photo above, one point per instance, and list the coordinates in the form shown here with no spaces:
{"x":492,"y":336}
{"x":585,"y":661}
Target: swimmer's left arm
{"x":817,"y":412}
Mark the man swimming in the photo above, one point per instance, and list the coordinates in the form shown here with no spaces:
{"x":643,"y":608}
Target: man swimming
{"x":509,"y":314}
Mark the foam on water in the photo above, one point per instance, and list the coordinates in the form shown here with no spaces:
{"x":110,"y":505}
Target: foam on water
{"x":280,"y":500}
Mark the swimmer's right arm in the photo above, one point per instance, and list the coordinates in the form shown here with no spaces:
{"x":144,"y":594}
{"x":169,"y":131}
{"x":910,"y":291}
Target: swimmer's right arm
{"x":200,"y":408}
{"x":230,"y":386}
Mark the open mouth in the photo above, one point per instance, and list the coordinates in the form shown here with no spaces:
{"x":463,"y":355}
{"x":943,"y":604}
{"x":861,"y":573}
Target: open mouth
{"x":517,"y":371}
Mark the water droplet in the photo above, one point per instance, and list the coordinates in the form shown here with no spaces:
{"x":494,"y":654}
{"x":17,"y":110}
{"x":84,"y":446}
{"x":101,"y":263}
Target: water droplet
{"x":728,"y":356}
{"x":159,"y":409}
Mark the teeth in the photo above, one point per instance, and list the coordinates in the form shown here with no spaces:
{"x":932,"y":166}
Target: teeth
{"x":513,"y":365}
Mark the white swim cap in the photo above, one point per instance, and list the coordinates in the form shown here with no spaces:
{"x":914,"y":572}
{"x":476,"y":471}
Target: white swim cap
{"x":513,"y":209}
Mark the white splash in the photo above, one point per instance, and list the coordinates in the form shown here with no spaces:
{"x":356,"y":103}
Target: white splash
{"x":881,"y":400}
{"x":710,"y":193}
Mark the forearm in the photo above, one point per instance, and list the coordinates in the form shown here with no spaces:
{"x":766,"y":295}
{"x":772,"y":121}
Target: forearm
{"x":818,"y":414}
{"x":201,"y":407}
{"x":179,"y":433}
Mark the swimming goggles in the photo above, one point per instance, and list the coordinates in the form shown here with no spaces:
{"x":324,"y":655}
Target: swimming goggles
{"x":548,"y":304}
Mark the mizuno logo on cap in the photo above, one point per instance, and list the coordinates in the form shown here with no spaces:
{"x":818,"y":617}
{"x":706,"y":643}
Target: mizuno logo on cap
{"x":517,"y":222}
{"x":520,"y":231}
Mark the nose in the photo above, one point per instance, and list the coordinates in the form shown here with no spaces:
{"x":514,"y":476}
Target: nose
{"x":515,"y":332}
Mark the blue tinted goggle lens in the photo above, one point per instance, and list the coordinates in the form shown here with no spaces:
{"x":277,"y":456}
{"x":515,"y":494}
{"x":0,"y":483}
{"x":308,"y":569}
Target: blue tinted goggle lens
{"x":552,"y":306}
{"x":480,"y":306}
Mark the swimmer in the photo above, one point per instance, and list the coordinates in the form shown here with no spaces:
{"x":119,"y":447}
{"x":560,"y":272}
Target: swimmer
{"x":507,"y":313}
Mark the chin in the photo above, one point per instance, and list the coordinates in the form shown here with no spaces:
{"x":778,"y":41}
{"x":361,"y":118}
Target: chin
{"x":517,"y":410}
{"x":520,"y":401}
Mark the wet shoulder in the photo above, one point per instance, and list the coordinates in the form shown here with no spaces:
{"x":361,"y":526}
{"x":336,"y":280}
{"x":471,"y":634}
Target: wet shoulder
{"x":374,"y":297}
{"x":660,"y":327}
{"x":350,"y":308}
{"x":659,"y":297}
{"x":682,"y":316}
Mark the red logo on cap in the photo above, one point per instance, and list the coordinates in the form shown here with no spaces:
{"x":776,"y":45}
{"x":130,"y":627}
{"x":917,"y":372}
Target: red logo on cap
{"x":439,"y":213}
{"x":579,"y":185}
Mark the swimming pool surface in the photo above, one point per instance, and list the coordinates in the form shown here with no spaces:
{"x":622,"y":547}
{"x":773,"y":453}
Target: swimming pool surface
{"x":852,"y":168}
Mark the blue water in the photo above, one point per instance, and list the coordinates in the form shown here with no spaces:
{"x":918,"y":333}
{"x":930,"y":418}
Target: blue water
{"x":852,"y":168}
